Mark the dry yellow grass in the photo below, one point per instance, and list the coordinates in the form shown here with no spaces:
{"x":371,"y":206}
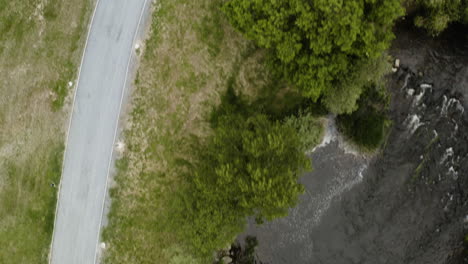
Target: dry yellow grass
{"x":40,"y":50}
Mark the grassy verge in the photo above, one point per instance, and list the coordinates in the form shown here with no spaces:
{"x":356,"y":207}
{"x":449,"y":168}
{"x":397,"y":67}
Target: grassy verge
{"x":29,"y":206}
{"x":40,"y":49}
{"x":191,"y":57}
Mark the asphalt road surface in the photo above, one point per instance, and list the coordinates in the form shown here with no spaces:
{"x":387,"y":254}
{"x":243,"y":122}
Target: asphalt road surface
{"x":96,"y":108}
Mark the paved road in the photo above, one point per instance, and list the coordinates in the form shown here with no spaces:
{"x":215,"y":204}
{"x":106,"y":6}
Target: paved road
{"x":102,"y":82}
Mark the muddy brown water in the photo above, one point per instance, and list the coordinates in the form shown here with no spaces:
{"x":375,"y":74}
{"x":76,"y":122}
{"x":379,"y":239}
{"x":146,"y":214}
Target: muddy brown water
{"x":409,"y":203}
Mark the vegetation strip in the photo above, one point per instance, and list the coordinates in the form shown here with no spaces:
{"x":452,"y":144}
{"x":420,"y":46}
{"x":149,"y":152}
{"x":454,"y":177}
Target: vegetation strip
{"x":192,"y":58}
{"x":219,"y":124}
{"x":40,"y":48}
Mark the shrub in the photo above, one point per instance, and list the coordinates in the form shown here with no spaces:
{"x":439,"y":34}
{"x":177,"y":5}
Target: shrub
{"x":436,"y":15}
{"x":309,"y":129}
{"x":368,"y":126}
{"x":248,"y":166}
{"x":318,"y":45}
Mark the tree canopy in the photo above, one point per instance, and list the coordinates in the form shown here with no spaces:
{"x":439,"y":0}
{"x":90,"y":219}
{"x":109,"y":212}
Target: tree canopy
{"x":435,"y":16}
{"x":318,"y":44}
{"x":309,"y":129}
{"x":368,"y":126}
{"x":249,"y":166}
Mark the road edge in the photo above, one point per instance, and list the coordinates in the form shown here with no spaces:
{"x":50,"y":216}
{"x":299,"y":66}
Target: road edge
{"x":111,"y":157}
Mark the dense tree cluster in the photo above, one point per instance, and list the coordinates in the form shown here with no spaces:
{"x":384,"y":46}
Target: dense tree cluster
{"x":368,"y":126}
{"x":436,"y":15}
{"x":308,"y":128}
{"x":248,"y":166}
{"x":320,"y":46}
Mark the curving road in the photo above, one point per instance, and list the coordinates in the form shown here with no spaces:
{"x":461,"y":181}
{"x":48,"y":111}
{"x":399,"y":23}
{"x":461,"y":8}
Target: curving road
{"x":93,"y":125}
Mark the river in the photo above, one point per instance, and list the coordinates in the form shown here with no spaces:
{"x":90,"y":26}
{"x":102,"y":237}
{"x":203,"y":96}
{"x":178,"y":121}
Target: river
{"x":409,"y":202}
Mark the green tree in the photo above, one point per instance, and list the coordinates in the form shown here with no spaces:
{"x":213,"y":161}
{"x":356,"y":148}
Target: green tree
{"x":318,"y":44}
{"x":249,"y":166}
{"x":342,"y":97}
{"x":309,"y":128}
{"x":436,"y":15}
{"x":369,"y":125}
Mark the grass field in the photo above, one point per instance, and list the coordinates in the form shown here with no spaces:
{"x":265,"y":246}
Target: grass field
{"x":40,"y":50}
{"x":190,"y":57}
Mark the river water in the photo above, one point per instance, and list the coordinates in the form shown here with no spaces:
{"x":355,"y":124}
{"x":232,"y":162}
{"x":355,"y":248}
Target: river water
{"x":409,"y":202}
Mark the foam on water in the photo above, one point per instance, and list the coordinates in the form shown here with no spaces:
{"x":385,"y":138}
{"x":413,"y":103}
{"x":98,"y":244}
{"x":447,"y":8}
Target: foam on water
{"x":413,"y":122}
{"x":448,"y":153}
{"x":331,"y":157}
{"x":417,"y":98}
{"x":410,"y":92}
{"x":405,"y":84}
{"x":443,"y":111}
{"x":332,"y":134}
{"x":452,"y":102}
{"x":426,"y":86}
{"x":453,"y":173}
{"x":324,"y":201}
{"x":315,"y":204}
{"x":460,"y":107}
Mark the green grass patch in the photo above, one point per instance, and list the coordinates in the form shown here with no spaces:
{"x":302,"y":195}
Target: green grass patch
{"x":60,"y":87}
{"x":68,"y":70}
{"x":14,"y":25}
{"x":51,"y":9}
{"x":27,"y":205}
{"x":209,"y":30}
{"x":40,"y":47}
